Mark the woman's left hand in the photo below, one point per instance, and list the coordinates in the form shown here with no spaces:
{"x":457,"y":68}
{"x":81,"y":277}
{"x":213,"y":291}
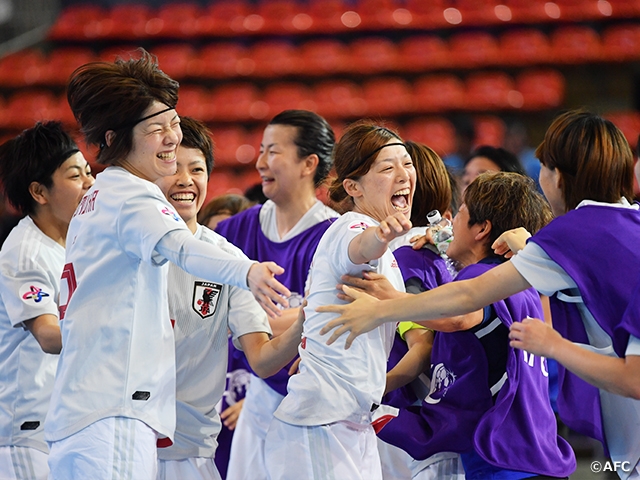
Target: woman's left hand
{"x":535,"y":336}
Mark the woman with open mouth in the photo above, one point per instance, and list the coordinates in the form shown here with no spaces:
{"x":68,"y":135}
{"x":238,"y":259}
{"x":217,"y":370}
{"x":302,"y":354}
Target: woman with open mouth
{"x":324,"y":423}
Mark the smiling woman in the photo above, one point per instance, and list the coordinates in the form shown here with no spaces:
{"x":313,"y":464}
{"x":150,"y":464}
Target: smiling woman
{"x":116,"y":375}
{"x":326,"y":414}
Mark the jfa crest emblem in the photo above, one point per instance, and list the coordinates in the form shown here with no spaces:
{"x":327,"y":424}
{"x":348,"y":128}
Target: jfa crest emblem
{"x":205,"y":298}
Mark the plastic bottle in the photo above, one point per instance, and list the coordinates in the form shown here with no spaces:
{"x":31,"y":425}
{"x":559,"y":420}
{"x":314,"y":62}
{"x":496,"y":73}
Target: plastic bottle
{"x":441,"y":230}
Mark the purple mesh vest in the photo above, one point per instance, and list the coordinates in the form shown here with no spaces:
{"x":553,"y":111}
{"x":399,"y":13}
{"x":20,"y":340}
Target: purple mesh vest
{"x":517,"y":432}
{"x":294,"y":255}
{"x":597,"y":246}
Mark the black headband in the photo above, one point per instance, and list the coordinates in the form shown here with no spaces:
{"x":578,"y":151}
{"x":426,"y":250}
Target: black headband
{"x":399,"y":144}
{"x":133,"y":123}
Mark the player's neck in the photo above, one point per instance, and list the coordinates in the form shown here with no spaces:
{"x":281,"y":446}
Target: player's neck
{"x":51,"y":226}
{"x":288,"y":214}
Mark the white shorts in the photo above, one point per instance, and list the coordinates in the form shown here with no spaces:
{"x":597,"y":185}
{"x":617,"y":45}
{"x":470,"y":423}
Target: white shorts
{"x":195,"y":468}
{"x":17,"y":463}
{"x":398,"y":464}
{"x":246,"y":460}
{"x":340,"y":450}
{"x":114,"y":447}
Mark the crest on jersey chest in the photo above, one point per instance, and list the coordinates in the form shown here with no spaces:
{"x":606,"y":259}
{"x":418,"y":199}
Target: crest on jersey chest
{"x":205,"y":298}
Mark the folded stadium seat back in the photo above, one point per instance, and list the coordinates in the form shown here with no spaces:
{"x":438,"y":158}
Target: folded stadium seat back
{"x":387,"y":96}
{"x":281,"y":96}
{"x":28,"y":106}
{"x":490,"y":130}
{"x":339,"y":99}
{"x":575,"y":44}
{"x":435,"y":132}
{"x":221,"y":60}
{"x":541,"y":89}
{"x":521,"y":47}
{"x":274,"y":58}
{"x":127,"y":22}
{"x":438,"y":93}
{"x":372,"y":55}
{"x":419,"y":53}
{"x":223,"y":18}
{"x":175,"y":20}
{"x":473,"y":49}
{"x":236,"y":102}
{"x":323,"y":57}
{"x":21,"y":68}
{"x":174,"y":59}
{"x":491,"y":90}
{"x":621,"y":42}
{"x":78,"y":22}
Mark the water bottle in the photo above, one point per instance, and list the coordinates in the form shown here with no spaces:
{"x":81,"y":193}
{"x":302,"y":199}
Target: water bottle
{"x":441,"y":231}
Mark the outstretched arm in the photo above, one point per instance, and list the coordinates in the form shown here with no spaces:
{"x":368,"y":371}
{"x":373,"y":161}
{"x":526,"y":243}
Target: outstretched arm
{"x":267,"y":357}
{"x":616,"y":375}
{"x":452,"y":299}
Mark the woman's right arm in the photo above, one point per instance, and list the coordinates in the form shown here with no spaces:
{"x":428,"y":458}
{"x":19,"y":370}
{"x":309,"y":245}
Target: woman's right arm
{"x":455,"y":298}
{"x":209,"y":262}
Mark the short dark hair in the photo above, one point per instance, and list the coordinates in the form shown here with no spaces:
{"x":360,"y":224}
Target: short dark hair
{"x":107,"y":96}
{"x":504,"y":159}
{"x":593,"y":156}
{"x":314,"y":135}
{"x":508,"y":200}
{"x":353,"y":155}
{"x":433,"y":188}
{"x":195,"y":134}
{"x":229,"y":203}
{"x":33,"y":156}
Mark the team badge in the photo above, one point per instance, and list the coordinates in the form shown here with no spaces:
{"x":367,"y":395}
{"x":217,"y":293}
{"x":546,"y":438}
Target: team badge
{"x":35,"y":293}
{"x":441,"y":380}
{"x":360,"y":226}
{"x":205,"y":298}
{"x":165,"y":210}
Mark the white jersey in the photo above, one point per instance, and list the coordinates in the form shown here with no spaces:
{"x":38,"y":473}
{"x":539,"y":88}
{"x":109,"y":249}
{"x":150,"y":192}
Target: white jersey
{"x":336,"y":384}
{"x":30,"y":268}
{"x":318,"y":213}
{"x":202,"y":312}
{"x":118,"y":348}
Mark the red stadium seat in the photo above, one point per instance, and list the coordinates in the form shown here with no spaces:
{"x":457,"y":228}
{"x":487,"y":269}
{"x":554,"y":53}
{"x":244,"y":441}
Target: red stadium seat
{"x":174,"y":59}
{"x":237,"y":102}
{"x":22,"y":68}
{"x":490,"y":130}
{"x":326,"y":15}
{"x":78,"y":22}
{"x":421,"y":53}
{"x":427,"y":15}
{"x":541,"y":89}
{"x":576,"y":44}
{"x":438,"y":93}
{"x":372,"y":55}
{"x":288,"y":95}
{"x":376,"y":14}
{"x":61,"y":64}
{"x":28,"y":106}
{"x":387,"y":96}
{"x":274,"y":59}
{"x":621,"y":43}
{"x":491,"y":90}
{"x":533,"y":11}
{"x":524,"y":47}
{"x":278,"y":16}
{"x":435,"y":132}
{"x":222,"y":60}
{"x":174,"y":20}
{"x":628,"y":122}
{"x":339,"y":99}
{"x":228,"y":140}
{"x":473,"y":49}
{"x":126,"y":22}
{"x":195,"y":101}
{"x":222,"y":180}
{"x":323,"y":57}
{"x":223,"y":18}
